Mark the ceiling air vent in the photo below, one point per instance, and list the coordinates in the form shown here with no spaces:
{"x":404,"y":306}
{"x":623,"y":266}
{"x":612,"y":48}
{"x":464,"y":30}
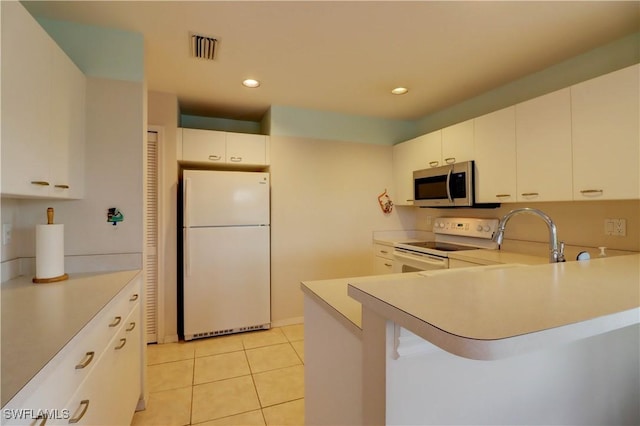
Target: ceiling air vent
{"x":203,"y":47}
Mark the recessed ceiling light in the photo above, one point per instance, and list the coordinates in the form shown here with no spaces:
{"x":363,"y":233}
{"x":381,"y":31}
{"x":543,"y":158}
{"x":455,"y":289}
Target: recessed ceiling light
{"x":251,"y":83}
{"x":399,"y":90}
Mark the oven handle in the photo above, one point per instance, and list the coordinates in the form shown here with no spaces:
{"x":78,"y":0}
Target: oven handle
{"x":449,"y":184}
{"x":431,"y":260}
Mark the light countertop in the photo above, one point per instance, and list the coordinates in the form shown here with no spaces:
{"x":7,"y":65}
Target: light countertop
{"x":38,"y":320}
{"x":492,"y":313}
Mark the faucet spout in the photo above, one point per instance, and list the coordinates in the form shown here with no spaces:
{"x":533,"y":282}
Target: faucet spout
{"x":556,"y":250}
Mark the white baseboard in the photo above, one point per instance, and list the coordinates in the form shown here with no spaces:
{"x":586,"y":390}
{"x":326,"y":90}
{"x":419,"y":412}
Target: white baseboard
{"x":288,"y":321}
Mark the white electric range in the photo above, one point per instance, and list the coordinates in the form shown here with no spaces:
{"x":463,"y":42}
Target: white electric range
{"x":451,"y":234}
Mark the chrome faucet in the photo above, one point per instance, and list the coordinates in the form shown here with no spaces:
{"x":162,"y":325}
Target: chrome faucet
{"x":556,"y":250}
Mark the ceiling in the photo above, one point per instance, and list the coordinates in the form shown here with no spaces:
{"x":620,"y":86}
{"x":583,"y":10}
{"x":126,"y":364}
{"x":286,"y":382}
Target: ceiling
{"x":346,"y":56}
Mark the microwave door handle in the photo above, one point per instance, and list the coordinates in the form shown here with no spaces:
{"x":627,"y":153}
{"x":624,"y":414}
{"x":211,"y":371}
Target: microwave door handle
{"x":449,"y":185}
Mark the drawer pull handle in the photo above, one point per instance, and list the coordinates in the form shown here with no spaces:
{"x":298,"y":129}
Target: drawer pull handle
{"x":132,"y":325}
{"x":236,"y":159}
{"x":450,"y":160}
{"x":411,"y":201}
{"x":434,"y":163}
{"x":40,"y":182}
{"x":384,"y":252}
{"x":388,"y":265}
{"x":503,"y":195}
{"x":133,"y":298}
{"x":84,"y":404}
{"x":591,"y":191}
{"x":88,"y":357}
{"x":61,"y":186}
{"x":214,"y":157}
{"x":530,"y":194}
{"x":42,"y":417}
{"x":123,"y":342}
{"x":115,"y":322}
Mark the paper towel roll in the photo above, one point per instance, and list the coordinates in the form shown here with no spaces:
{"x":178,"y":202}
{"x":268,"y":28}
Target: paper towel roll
{"x":49,"y":251}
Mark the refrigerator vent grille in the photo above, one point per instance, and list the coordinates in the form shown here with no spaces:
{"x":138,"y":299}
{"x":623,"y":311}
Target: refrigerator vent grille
{"x":203,"y":47}
{"x":230,"y":331}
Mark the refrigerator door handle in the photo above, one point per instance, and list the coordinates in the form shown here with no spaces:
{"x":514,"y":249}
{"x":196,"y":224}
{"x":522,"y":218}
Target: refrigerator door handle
{"x":185,"y":201}
{"x":187,"y":258}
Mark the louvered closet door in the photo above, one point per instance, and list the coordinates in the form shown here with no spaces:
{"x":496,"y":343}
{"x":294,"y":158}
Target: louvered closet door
{"x":151,"y":238}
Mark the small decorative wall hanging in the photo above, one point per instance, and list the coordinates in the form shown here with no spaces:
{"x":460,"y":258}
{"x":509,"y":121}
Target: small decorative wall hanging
{"x":385,"y":202}
{"x":114,"y":216}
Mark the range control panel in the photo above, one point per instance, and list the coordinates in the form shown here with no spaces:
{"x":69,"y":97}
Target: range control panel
{"x":466,"y":227}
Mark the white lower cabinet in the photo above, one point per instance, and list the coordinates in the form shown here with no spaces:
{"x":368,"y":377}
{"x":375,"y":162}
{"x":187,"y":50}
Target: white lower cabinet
{"x":109,"y":396}
{"x":382,"y":259}
{"x":96,"y":379}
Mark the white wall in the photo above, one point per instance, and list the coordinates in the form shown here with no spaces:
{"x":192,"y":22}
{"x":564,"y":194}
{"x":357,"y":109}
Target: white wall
{"x":323,"y":211}
{"x":113,"y":178}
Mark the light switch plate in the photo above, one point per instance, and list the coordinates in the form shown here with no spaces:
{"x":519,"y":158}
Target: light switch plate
{"x":7,"y":230}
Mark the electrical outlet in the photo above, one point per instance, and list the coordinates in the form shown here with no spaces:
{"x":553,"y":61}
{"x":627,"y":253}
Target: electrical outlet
{"x":620,"y":227}
{"x":7,"y":230}
{"x":615,"y":227}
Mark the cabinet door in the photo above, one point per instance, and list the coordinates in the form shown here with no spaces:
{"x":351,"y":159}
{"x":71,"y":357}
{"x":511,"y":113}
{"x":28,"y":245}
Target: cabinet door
{"x":67,"y":127}
{"x":495,"y":157}
{"x":606,"y":141}
{"x":26,"y":100}
{"x":382,"y":266}
{"x":244,"y":148}
{"x":204,"y":146}
{"x":433,"y":149}
{"x":457,"y":143}
{"x":407,"y":157}
{"x":543,"y":146}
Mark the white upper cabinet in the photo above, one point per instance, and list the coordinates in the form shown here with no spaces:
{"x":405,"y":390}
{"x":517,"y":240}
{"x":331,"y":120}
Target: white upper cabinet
{"x":457,"y":143}
{"x":204,"y":146}
{"x":414,"y":154}
{"x":543,"y":146}
{"x":495,"y":157}
{"x":244,"y":148}
{"x":43,"y":106}
{"x":217,"y":147}
{"x":606,"y":141}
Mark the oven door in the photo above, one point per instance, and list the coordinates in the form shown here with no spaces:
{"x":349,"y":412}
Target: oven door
{"x":410,"y":261}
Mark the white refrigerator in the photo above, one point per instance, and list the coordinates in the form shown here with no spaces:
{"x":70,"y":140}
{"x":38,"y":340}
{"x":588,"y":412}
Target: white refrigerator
{"x":226,"y":252}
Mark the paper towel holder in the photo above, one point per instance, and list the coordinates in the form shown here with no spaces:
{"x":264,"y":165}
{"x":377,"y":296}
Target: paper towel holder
{"x":59,"y":278}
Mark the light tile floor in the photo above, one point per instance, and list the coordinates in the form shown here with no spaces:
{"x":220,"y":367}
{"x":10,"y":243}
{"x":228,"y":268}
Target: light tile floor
{"x":254,"y":378}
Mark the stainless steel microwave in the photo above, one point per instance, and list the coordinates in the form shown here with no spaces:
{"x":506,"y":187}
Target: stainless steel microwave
{"x":446,"y":186}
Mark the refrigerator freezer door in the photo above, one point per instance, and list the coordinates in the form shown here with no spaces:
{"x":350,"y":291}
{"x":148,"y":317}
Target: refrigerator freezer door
{"x":223,"y":198}
{"x":226,"y":279}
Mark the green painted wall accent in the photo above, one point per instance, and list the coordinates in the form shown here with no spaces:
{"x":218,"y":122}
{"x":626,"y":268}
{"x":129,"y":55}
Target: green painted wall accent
{"x":299,"y":122}
{"x":212,"y":123}
{"x":100,"y":52}
{"x":605,"y":59}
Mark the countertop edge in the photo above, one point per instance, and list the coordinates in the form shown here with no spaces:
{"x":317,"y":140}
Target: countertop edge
{"x":499,"y":348}
{"x":353,"y":328}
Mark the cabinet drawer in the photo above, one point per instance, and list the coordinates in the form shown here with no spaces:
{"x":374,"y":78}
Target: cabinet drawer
{"x":383,"y":250}
{"x":382,"y":266}
{"x":109,"y":395}
{"x":59,"y":379}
